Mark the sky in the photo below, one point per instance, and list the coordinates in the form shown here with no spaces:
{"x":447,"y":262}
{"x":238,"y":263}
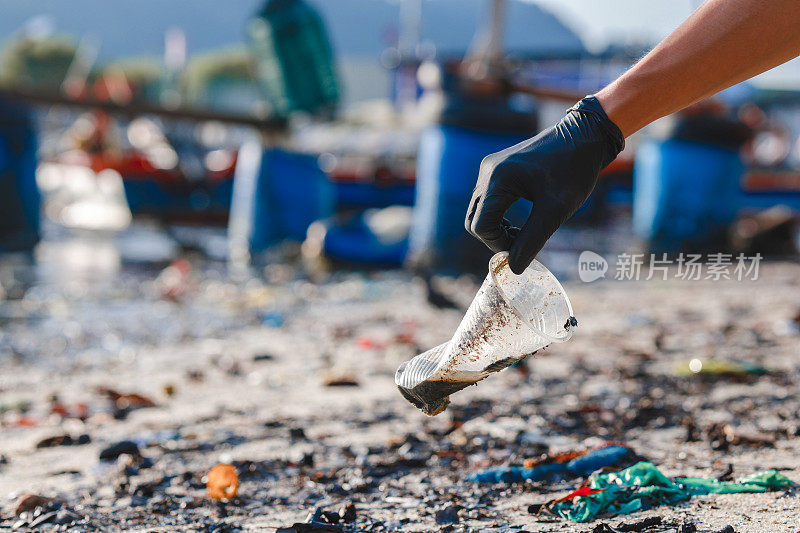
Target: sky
{"x":599,"y":22}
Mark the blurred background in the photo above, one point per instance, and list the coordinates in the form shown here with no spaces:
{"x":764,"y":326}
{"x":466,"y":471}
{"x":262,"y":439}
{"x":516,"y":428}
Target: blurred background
{"x":264,"y":127}
{"x":174,"y":174}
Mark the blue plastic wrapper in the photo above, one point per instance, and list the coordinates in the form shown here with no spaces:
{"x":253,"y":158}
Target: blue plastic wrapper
{"x":580,"y":466}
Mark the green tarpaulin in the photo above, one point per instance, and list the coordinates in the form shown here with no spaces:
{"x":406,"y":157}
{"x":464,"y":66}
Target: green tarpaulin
{"x":643,"y":485}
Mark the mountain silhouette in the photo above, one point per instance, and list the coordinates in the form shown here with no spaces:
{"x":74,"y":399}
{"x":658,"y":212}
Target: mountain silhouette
{"x":361,"y":28}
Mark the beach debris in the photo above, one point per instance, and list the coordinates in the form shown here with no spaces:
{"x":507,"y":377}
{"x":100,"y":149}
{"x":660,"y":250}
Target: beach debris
{"x":492,"y":334}
{"x":222,"y":482}
{"x":561,"y":466}
{"x":687,"y":527}
{"x":720,"y":368}
{"x":368,"y":343}
{"x":436,"y":298}
{"x":318,"y":521}
{"x":44,"y":518}
{"x":726,"y":529}
{"x":721,"y":436}
{"x":63,"y":440}
{"x":28,"y":503}
{"x":125,"y":447}
{"x":23,"y":421}
{"x":79,"y":410}
{"x":406,"y":338}
{"x":66,"y":517}
{"x":727,"y":475}
{"x":642,"y":525}
{"x":173,"y":281}
{"x":297,"y":433}
{"x":339,"y":378}
{"x":168,"y":390}
{"x":398,"y":473}
{"x":55,"y":516}
{"x":623,"y":527}
{"x":643,"y":486}
{"x":125,"y":402}
{"x":692,"y":431}
{"x":348,"y":512}
{"x":602,"y":527}
{"x":447,"y":515}
{"x":57,"y":407}
{"x":273,"y":319}
{"x":314,"y":527}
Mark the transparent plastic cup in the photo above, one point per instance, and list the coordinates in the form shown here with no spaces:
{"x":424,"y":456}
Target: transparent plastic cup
{"x":510,"y":318}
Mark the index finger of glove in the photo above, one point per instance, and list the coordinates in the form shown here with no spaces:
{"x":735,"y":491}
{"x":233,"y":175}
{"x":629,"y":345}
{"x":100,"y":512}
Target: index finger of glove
{"x":488,"y":223}
{"x":542,"y":222}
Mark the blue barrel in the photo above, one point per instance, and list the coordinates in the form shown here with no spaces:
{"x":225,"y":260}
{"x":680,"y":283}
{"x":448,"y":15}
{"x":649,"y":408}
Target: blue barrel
{"x":206,"y":201}
{"x":686,"y":194}
{"x":447,"y":168}
{"x":277,"y":195}
{"x":372,"y":194}
{"x":19,"y":195}
{"x":354,"y":242}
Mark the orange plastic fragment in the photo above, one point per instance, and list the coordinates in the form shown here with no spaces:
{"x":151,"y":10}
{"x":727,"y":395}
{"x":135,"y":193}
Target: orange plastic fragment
{"x":557,"y":458}
{"x":222,"y":482}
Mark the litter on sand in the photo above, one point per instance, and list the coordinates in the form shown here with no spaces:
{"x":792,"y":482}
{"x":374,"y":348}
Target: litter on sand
{"x":643,"y":486}
{"x":719,"y":368}
{"x":565,"y":466}
{"x":222,"y":482}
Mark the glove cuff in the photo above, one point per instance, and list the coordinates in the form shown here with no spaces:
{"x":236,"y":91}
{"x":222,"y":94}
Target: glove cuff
{"x":590,"y":105}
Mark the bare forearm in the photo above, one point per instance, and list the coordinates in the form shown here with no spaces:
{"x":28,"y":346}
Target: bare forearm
{"x":722,"y":43}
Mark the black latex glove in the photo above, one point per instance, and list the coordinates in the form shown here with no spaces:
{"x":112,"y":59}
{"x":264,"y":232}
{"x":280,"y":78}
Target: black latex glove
{"x":556,"y":170}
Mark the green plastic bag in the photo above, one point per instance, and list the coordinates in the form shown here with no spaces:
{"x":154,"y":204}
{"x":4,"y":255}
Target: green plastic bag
{"x":643,"y":485}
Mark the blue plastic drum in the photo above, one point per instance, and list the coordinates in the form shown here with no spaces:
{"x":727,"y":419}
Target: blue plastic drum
{"x":447,"y":168}
{"x":276,"y":196}
{"x":686,"y":194}
{"x":19,"y":195}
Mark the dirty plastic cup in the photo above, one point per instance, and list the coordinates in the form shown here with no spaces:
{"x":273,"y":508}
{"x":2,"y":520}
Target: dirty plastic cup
{"x":510,"y":318}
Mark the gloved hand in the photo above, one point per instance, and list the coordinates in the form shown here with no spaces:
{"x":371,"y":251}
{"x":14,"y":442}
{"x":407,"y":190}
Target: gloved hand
{"x":556,"y":170}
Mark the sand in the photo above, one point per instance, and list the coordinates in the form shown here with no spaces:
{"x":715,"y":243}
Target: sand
{"x":298,"y":443}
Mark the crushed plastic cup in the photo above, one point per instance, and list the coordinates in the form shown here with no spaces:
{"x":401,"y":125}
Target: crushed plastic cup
{"x":510,"y":318}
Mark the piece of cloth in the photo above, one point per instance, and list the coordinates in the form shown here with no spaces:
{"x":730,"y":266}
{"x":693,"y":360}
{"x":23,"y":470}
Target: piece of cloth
{"x":643,"y":486}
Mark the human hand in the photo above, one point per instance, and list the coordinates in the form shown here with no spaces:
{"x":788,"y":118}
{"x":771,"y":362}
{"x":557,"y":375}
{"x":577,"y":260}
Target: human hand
{"x":556,"y":170}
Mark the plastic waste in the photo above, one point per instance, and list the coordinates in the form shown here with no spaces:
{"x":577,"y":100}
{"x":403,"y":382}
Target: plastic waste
{"x":582,"y":465}
{"x":510,"y":318}
{"x":643,"y":485}
{"x":586,"y":464}
{"x":516,"y":474}
{"x":222,"y":482}
{"x":720,"y":367}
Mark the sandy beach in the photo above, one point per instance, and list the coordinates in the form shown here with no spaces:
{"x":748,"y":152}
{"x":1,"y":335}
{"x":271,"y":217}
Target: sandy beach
{"x":237,"y":374}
